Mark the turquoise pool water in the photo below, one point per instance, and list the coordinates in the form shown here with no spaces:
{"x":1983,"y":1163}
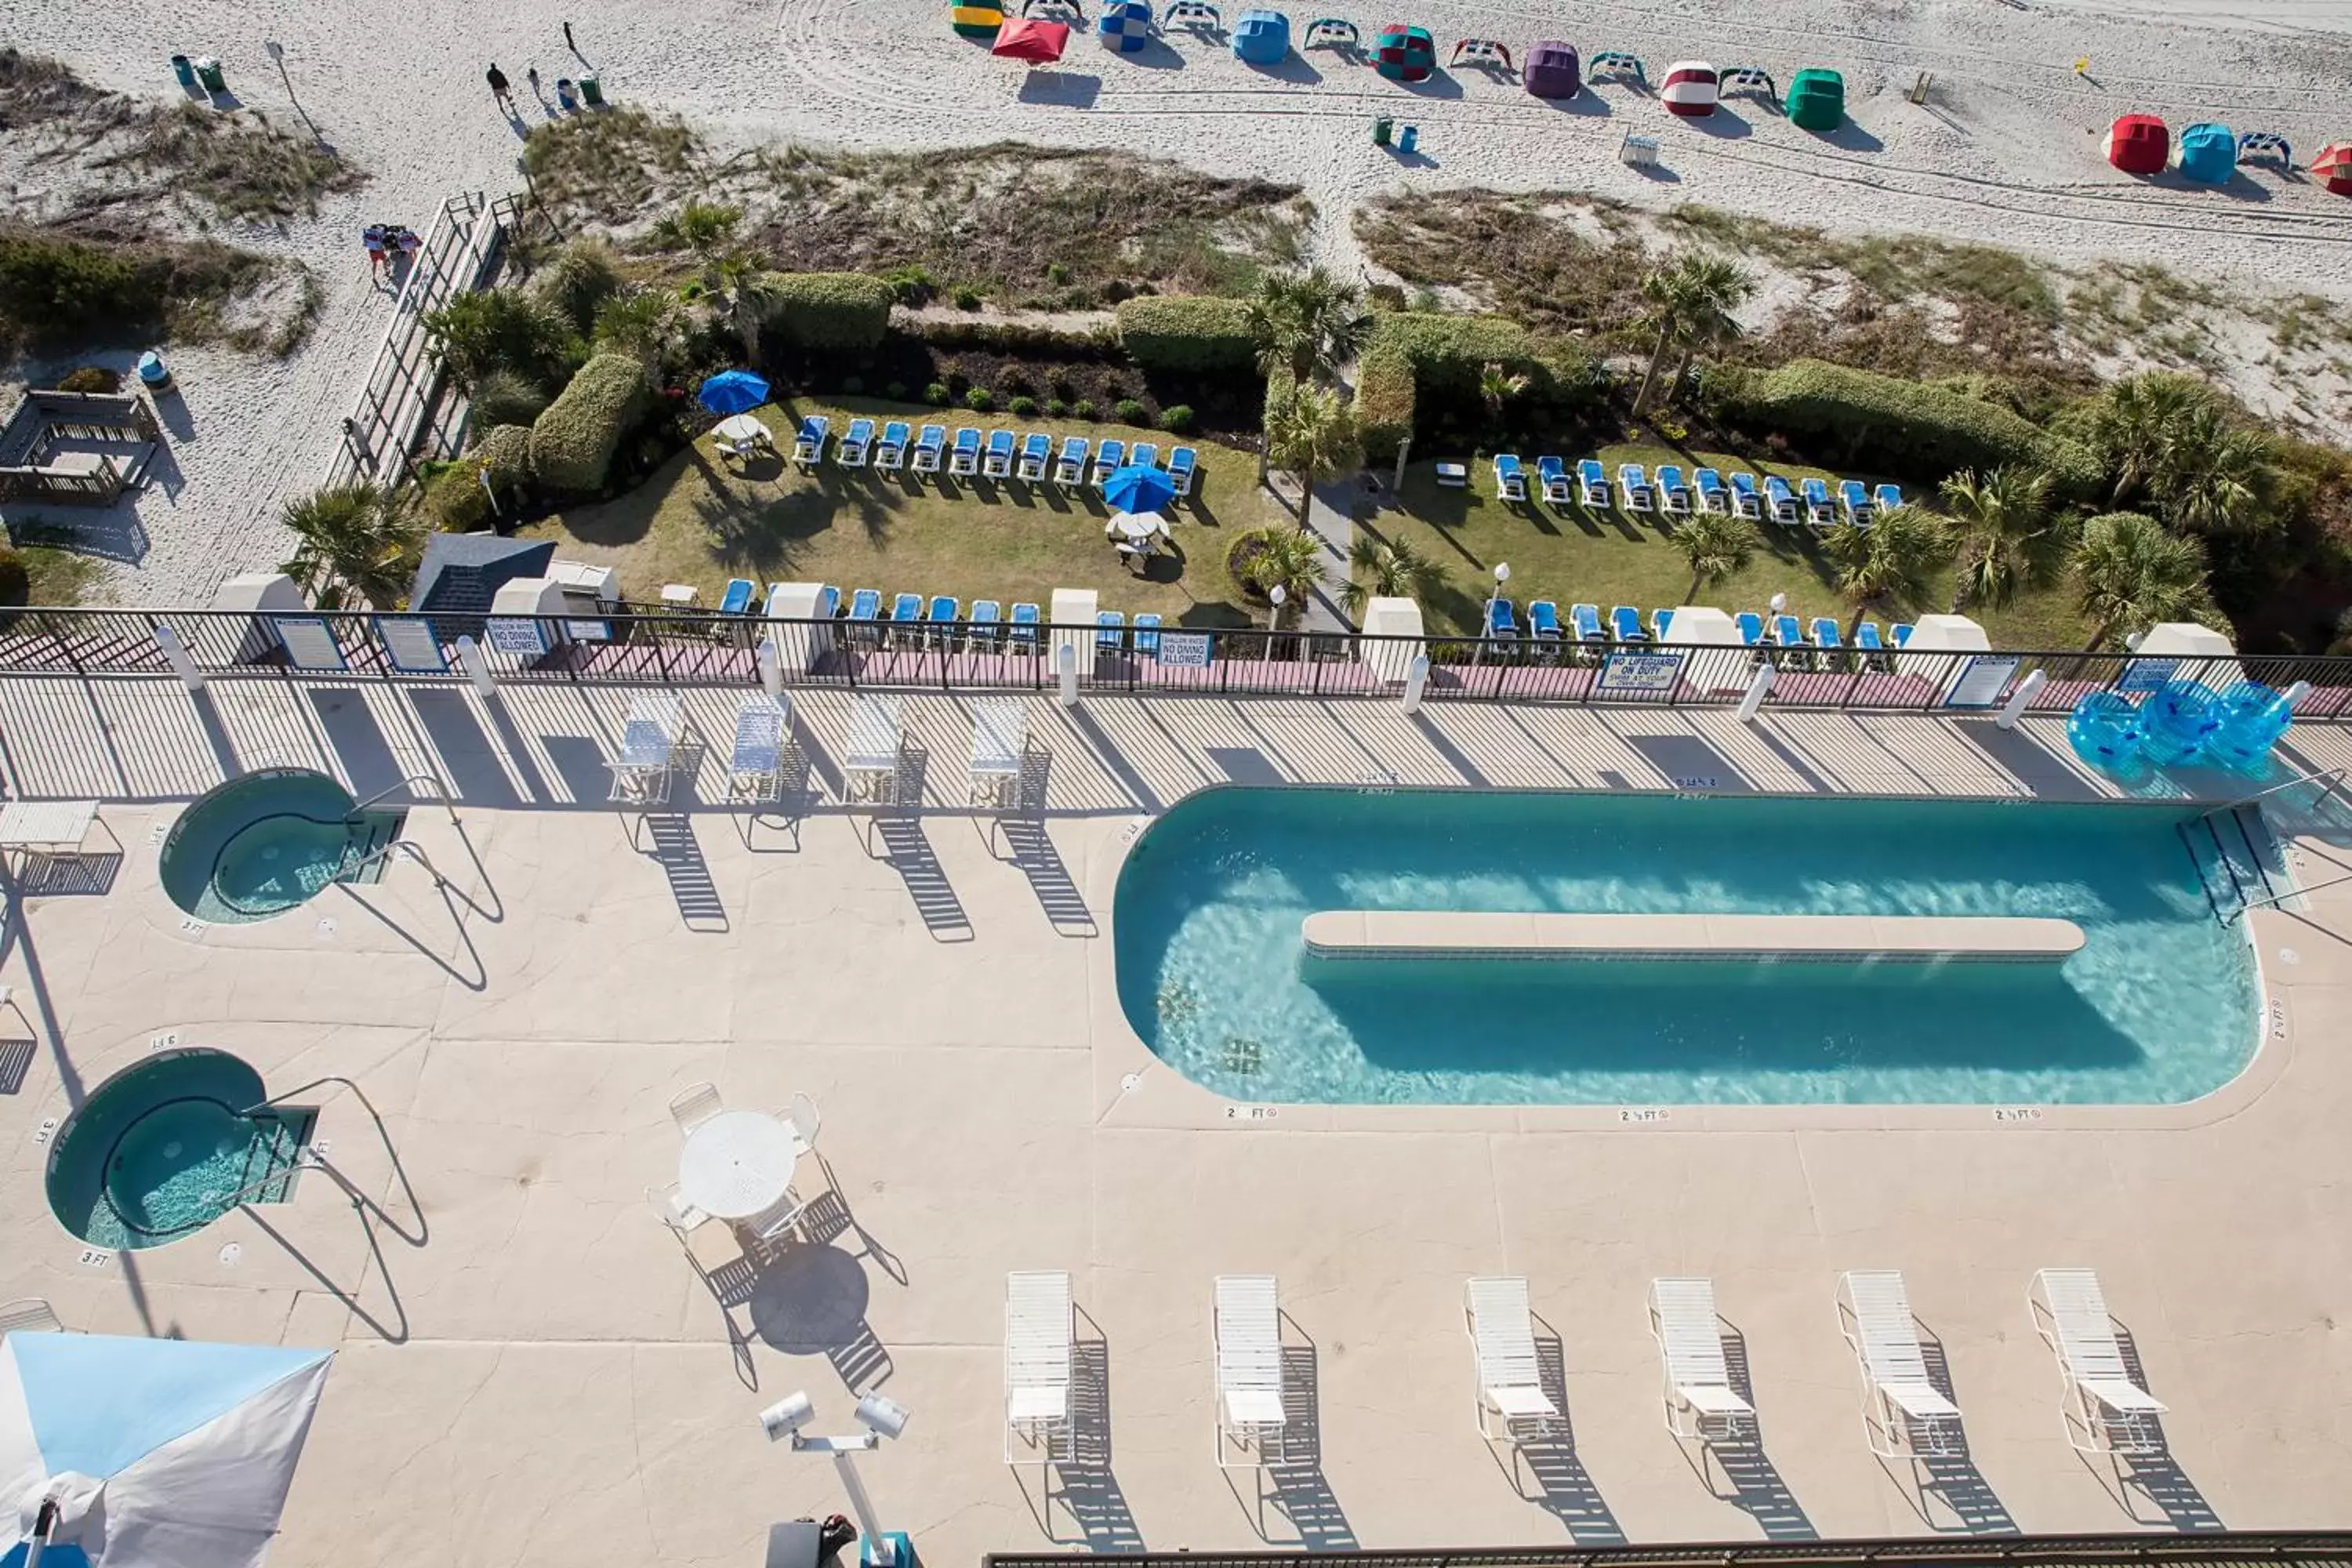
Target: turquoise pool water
{"x":2159,"y":1007}
{"x":268,"y":842}
{"x":159,"y":1151}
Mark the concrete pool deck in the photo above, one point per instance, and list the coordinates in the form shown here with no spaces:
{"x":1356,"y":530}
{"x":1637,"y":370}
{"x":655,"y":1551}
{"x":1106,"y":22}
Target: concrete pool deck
{"x":531,"y":1370}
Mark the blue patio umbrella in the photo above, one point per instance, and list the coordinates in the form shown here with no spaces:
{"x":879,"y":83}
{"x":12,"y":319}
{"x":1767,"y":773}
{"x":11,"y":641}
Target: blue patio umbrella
{"x":1138,"y":488}
{"x":732,"y":391}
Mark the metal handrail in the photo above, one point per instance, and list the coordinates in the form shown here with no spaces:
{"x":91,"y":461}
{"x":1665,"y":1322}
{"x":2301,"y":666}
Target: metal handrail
{"x":2335,"y":773}
{"x":404,"y":846}
{"x":439,"y":789}
{"x":305,"y":1158}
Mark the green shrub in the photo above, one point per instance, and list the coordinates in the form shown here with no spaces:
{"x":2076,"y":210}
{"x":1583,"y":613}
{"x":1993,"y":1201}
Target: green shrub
{"x":502,"y":397}
{"x":1055,"y":408}
{"x":911,"y":285}
{"x":1021,"y":407}
{"x":1127,"y":411}
{"x":1188,"y":332}
{"x":829,"y":309}
{"x":584,"y":275}
{"x":967,"y":297}
{"x":1176,"y":418}
{"x":1914,"y":429}
{"x":980,"y":400}
{"x":455,"y":500}
{"x":1083,"y":408}
{"x":16,"y":580}
{"x":1415,"y":361}
{"x":1384,"y":398}
{"x":852,"y":386}
{"x":936,"y":394}
{"x":896,"y":392}
{"x":61,"y":290}
{"x":91,"y":378}
{"x":495,"y":329}
{"x":1056,"y":274}
{"x":572,"y":443}
{"x":504,"y":453}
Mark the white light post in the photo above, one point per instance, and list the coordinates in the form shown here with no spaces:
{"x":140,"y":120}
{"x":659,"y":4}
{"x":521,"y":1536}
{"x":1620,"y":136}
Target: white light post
{"x":1274,"y":618}
{"x":1487,"y":615}
{"x":882,"y":1417}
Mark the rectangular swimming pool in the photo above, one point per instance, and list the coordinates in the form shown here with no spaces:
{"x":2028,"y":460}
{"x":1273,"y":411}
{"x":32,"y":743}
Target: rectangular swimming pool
{"x":2159,"y":1006}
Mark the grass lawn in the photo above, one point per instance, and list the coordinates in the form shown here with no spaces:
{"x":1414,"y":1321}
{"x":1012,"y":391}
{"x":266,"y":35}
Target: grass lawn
{"x":700,"y":522}
{"x":1611,"y":559}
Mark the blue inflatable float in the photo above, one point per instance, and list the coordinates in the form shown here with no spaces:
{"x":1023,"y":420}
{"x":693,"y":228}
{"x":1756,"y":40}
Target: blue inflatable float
{"x":2179,"y":720}
{"x":2106,"y":731}
{"x":2249,"y":718}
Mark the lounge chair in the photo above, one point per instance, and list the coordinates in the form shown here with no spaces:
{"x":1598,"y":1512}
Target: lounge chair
{"x":1591,"y":483}
{"x":1246,"y":1339}
{"x":1501,"y":618}
{"x":857,"y":444}
{"x":1183,"y":464}
{"x":1110,"y":457}
{"x":1900,"y":632}
{"x":1551,"y":480}
{"x":29,"y":1314}
{"x":737,"y":600}
{"x":1633,"y":492}
{"x":1625,"y":625}
{"x":1586,"y":619}
{"x":641,"y":769}
{"x":1510,"y":1379}
{"x":874,"y":753}
{"x":890,"y":452}
{"x":1745,"y":502}
{"x":1510,"y":478}
{"x":1887,"y":497}
{"x":1751,"y":626}
{"x":987,"y":618}
{"x":756,"y":766}
{"x":1787,"y":632}
{"x":1147,"y":635}
{"x":808,"y":441}
{"x":964,"y":459}
{"x":1110,"y":631}
{"x":1000,"y":743}
{"x":1145,"y":456}
{"x":1040,"y":1325}
{"x":1700,"y":1401}
{"x":694,"y":1105}
{"x":1659,"y":621}
{"x":940,"y":618}
{"x":1855,"y":502}
{"x":1779,"y":500}
{"x":866,"y":618}
{"x":1712,"y":495}
{"x":2106,"y":1410}
{"x":1825,"y":634}
{"x":1070,"y":468}
{"x":905,"y":613}
{"x":1024,"y":628}
{"x":1820,"y":510}
{"x":929,"y":446}
{"x":998,"y":463}
{"x":1543,"y":620}
{"x":1866,"y":638}
{"x":1674,"y":495}
{"x":1037,"y":452}
{"x":1903,"y":1415}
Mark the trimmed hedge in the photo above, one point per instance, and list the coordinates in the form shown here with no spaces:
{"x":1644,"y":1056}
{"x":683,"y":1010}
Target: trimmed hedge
{"x":454,"y":499}
{"x":572,"y":443}
{"x":1413,"y":353}
{"x":1920,"y":430}
{"x":1187,"y":333}
{"x":830,"y":309}
{"x":505,"y":454}
{"x":1386,"y":396}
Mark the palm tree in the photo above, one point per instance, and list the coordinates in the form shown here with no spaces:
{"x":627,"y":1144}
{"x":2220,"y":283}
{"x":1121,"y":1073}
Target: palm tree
{"x":1311,"y":436}
{"x":2132,"y":422}
{"x":707,"y":228}
{"x":2133,"y":573}
{"x":747,"y":297}
{"x":1387,"y":569}
{"x":2001,"y":525}
{"x":1691,"y":299}
{"x":1497,"y":384}
{"x":1714,"y":545}
{"x":355,"y":543}
{"x":2213,"y":473}
{"x":638,"y":324}
{"x":1889,"y":564}
{"x":1309,"y":324}
{"x":1290,"y":559}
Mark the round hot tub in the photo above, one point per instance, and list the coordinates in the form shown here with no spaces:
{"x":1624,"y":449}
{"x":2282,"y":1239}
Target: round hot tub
{"x":268,"y":842}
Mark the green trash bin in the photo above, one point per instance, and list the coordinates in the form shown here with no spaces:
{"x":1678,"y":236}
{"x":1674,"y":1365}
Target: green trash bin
{"x":208,"y":72}
{"x":1381,"y":131}
{"x":591,"y":91}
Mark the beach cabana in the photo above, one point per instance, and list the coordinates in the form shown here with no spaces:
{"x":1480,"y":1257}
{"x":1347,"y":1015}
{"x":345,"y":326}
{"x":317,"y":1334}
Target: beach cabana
{"x":1331,"y":33}
{"x":1261,"y":37}
{"x":1126,"y":27}
{"x":2208,"y":153}
{"x":1482,"y":51}
{"x":1816,"y":99}
{"x":977,"y":18}
{"x":1404,"y":53}
{"x":2140,"y":144}
{"x":1549,"y":69}
{"x":1689,"y":89}
{"x":2333,"y":167}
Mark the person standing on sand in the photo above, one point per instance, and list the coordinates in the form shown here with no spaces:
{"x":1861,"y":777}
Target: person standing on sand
{"x":498,"y":87}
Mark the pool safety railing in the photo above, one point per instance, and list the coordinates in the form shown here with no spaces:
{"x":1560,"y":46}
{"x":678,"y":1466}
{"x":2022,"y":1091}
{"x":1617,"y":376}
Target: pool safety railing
{"x":440,"y":790}
{"x":2191,"y":1548}
{"x":397,"y":847}
{"x":2244,"y":816}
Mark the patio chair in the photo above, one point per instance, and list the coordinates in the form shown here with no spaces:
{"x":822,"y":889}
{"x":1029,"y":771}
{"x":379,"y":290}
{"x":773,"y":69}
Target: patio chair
{"x":1591,"y":483}
{"x":1070,"y":468}
{"x":1633,"y":492}
{"x":808,"y":441}
{"x":1659,"y":621}
{"x":1901,"y":632}
{"x":929,"y":446}
{"x":1586,"y":620}
{"x":1700,"y":1401}
{"x":2106,"y":1410}
{"x":890,"y":452}
{"x":648,"y":736}
{"x":1855,"y":502}
{"x":1510,"y":478}
{"x":1145,"y":456}
{"x":1625,"y":624}
{"x":1744,"y":501}
{"x":1903,"y":1415}
{"x":1712,"y":495}
{"x":1779,"y":500}
{"x":682,"y":1217}
{"x":857,"y":444}
{"x":998,"y":463}
{"x":1887,"y":496}
{"x":1866,"y":637}
{"x":801,"y":1115}
{"x":1037,"y":452}
{"x":1820,"y":510}
{"x":940,"y":618}
{"x":1246,"y":1341}
{"x":1183,"y":464}
{"x":694,"y":1105}
{"x":32,"y":1314}
{"x":1501,"y":620}
{"x":866,"y":617}
{"x":1552,"y":480}
{"x":963,"y":458}
{"x":1024,"y":628}
{"x":1825,"y":635}
{"x":1147,"y":635}
{"x":906,"y":610}
{"x":987,"y":619}
{"x":777,"y":1220}
{"x":1040,"y":1326}
{"x":1787,"y":631}
{"x":1510,"y":1379}
{"x":756,"y":768}
{"x":1543,"y":620}
{"x":1751,"y":626}
{"x":1110,"y":457}
{"x":1110,"y":631}
{"x":1674,"y":495}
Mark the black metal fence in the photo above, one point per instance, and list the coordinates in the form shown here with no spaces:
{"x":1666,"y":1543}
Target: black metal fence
{"x":2202,"y":1549}
{"x":652,"y":648}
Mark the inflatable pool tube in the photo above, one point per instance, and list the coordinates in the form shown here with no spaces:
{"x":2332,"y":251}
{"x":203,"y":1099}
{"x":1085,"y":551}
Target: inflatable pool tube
{"x":2180,"y":718}
{"x":2249,"y":720}
{"x":2106,"y":731}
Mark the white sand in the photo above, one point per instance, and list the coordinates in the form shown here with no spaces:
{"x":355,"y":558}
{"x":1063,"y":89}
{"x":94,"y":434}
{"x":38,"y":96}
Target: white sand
{"x":2007,"y":150}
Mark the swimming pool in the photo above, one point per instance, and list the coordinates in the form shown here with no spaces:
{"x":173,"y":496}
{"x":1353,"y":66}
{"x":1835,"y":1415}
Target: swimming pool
{"x":2159,"y":1006}
{"x":271,"y":841}
{"x":162,"y":1149}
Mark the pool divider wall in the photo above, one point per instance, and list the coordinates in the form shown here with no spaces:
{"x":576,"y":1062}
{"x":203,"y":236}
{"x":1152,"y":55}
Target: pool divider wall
{"x":1366,"y":934}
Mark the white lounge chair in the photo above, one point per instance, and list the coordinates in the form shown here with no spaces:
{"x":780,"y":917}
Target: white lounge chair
{"x":1183,"y":464}
{"x":1903,"y":1415}
{"x":1037,"y":452}
{"x":890,"y":452}
{"x":876,"y":749}
{"x":857,"y":444}
{"x":964,"y":458}
{"x":30,"y":1314}
{"x":1000,"y":737}
{"x":1510,"y":478}
{"x":1510,"y":1380}
{"x":1700,"y":1401}
{"x":691,"y":1107}
{"x":998,"y":463}
{"x":1245,"y":1334}
{"x":808,"y":440}
{"x":1040,"y":1320}
{"x":2106,"y":1410}
{"x":928,"y":448}
{"x":757,"y":766}
{"x":642,"y":768}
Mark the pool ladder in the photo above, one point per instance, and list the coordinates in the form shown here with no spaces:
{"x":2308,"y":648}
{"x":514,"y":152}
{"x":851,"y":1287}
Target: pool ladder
{"x":400,"y":845}
{"x":2239,"y":826}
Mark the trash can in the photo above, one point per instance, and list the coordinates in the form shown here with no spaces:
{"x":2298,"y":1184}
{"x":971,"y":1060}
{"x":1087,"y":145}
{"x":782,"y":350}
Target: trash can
{"x":185,"y":71}
{"x":153,"y":373}
{"x":591,"y":91}
{"x":208,"y":72}
{"x":1409,"y":140}
{"x":1381,"y":129}
{"x":563,"y":98}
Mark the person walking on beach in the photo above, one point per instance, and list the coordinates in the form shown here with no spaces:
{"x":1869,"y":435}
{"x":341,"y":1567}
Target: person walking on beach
{"x":498,"y":87}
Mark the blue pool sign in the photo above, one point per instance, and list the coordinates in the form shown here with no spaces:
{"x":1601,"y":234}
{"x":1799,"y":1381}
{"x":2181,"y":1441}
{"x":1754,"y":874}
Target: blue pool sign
{"x":309,"y":642}
{"x":1641,"y":674}
{"x":411,"y":645}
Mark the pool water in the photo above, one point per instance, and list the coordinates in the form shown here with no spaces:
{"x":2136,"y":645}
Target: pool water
{"x":271,"y":841}
{"x":162,"y":1149}
{"x":2159,"y":1007}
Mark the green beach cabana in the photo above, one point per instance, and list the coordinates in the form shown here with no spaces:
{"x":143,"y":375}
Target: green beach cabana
{"x":1816,"y":98}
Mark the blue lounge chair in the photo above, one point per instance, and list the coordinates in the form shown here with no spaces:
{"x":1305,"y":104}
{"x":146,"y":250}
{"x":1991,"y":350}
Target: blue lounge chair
{"x":1659,"y":621}
{"x":987,"y":618}
{"x":737,"y":600}
{"x":1024,"y":628}
{"x":1712,"y":495}
{"x":965,"y":456}
{"x":1510,"y":480}
{"x":998,"y":463}
{"x":1751,"y":626}
{"x":1888,"y":497}
{"x":1145,"y":456}
{"x":1110,"y":457}
{"x":1111,"y":630}
{"x":1551,"y":479}
{"x":1779,"y":499}
{"x":929,"y":446}
{"x":1543,"y":620}
{"x":1037,"y":452}
{"x":1787,"y":632}
{"x":1633,"y":493}
{"x":1147,"y":635}
{"x":1625,"y":625}
{"x":1855,"y":502}
{"x":1183,"y":464}
{"x":808,"y":441}
{"x":906,"y":610}
{"x":1586,"y":619}
{"x":939,"y":620}
{"x":1820,"y":510}
{"x":1502,"y":620}
{"x":866,"y":617}
{"x":1901,"y":633}
{"x":1745,"y":502}
{"x":1591,"y":483}
{"x":1825,"y":634}
{"x":857,"y":444}
{"x":1070,"y":468}
{"x":1674,"y":495}
{"x":891,"y":452}
{"x":1866,"y":638}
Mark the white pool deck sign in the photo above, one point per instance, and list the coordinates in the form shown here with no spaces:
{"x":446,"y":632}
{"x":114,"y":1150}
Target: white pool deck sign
{"x":410,"y":646}
{"x":309,"y":642}
{"x":1184,"y":650}
{"x":515,"y":634}
{"x":1983,"y":681}
{"x":1641,"y":674}
{"x":2148,"y":674}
